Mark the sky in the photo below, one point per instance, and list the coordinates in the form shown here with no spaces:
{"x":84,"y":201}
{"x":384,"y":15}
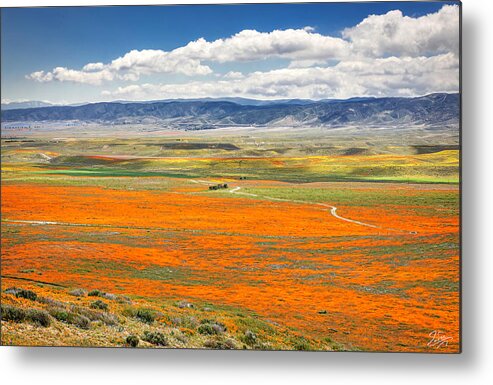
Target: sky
{"x":261,"y":51}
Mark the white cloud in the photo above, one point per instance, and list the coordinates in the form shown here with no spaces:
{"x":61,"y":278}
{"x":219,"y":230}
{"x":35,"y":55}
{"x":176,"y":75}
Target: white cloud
{"x":247,"y":45}
{"x":251,"y":45}
{"x":93,"y":67}
{"x":128,"y":67}
{"x":234,"y":75}
{"x":399,"y":35}
{"x":388,"y":54}
{"x":381,"y":77}
{"x":40,"y":76}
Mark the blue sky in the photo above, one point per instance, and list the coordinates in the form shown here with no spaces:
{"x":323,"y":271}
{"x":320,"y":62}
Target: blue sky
{"x":42,"y":39}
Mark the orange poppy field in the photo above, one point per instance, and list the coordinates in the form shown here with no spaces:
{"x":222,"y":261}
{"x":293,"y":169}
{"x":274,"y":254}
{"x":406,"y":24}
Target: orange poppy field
{"x":337,"y":265}
{"x":268,"y":252}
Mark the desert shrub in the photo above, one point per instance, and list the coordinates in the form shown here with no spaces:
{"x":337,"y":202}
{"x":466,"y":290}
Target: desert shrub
{"x":146,"y":315}
{"x":185,"y":321}
{"x":210,"y":327}
{"x":206,"y":329}
{"x":142,"y":314}
{"x":109,"y":296}
{"x":219,"y":327}
{"x":22,"y":293}
{"x":50,"y":301}
{"x":129,"y":312}
{"x":123,"y":299}
{"x":181,"y":338}
{"x":28,"y":294}
{"x":301,"y":344}
{"x":155,"y":338}
{"x":95,"y":293}
{"x":12,"y":290}
{"x":107,"y":318}
{"x":99,"y":305}
{"x":219,"y":343}
{"x":250,"y":338}
{"x":80,"y":321}
{"x":78,"y":292}
{"x":132,"y":341}
{"x":59,"y":314}
{"x":39,"y":317}
{"x":12,"y":313}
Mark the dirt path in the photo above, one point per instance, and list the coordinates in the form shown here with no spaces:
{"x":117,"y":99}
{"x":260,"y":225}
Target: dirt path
{"x":333,"y":209}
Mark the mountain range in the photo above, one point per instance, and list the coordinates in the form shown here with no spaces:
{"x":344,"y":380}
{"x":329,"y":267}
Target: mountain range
{"x":432,"y":110}
{"x":25,"y":104}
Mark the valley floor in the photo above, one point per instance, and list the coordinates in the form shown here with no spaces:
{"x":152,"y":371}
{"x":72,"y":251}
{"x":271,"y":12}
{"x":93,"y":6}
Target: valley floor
{"x":264,"y":262}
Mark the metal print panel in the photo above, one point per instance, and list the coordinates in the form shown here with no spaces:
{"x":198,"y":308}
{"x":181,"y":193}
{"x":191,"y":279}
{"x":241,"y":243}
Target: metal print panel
{"x":265,"y":177}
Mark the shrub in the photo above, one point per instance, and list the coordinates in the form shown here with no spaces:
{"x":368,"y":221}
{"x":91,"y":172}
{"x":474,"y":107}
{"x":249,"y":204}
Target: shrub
{"x":146,"y":315}
{"x":220,"y":344}
{"x":207,"y":329}
{"x":39,"y":317}
{"x":12,"y":290}
{"x":22,"y":293}
{"x":181,"y":338}
{"x":80,"y":321}
{"x":78,"y":292}
{"x":107,"y":318}
{"x":132,"y":341}
{"x":12,"y":313}
{"x":219,"y":327}
{"x":59,"y":314}
{"x":210,"y":327}
{"x":109,"y":296}
{"x":27,"y":294}
{"x":123,"y":299}
{"x":302,"y":344}
{"x":155,"y":338}
{"x":50,"y":301}
{"x":99,"y":305}
{"x":95,"y":293}
{"x":250,"y":338}
{"x":129,"y":312}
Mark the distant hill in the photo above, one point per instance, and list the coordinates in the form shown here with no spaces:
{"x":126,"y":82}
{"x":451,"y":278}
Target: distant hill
{"x":430,"y":110}
{"x":238,"y":100}
{"x":26,"y":104}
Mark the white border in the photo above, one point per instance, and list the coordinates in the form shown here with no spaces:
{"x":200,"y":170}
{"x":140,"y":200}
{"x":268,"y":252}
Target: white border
{"x":116,"y":366}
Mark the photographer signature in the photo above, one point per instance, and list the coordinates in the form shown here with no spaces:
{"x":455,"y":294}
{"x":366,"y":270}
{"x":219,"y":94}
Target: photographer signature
{"x":438,"y":339}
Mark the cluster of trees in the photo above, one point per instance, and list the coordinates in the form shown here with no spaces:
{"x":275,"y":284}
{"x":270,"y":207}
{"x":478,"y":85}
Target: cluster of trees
{"x":218,"y":186}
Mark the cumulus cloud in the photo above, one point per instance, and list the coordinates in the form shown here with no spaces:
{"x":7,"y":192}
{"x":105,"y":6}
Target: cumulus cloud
{"x":40,"y":76}
{"x":250,"y":45}
{"x":247,"y":45}
{"x":129,"y":67}
{"x":389,"y":54}
{"x":398,"y":35}
{"x":381,"y":77}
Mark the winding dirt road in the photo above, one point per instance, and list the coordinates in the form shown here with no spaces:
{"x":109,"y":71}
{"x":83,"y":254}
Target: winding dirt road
{"x":333,"y":209}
